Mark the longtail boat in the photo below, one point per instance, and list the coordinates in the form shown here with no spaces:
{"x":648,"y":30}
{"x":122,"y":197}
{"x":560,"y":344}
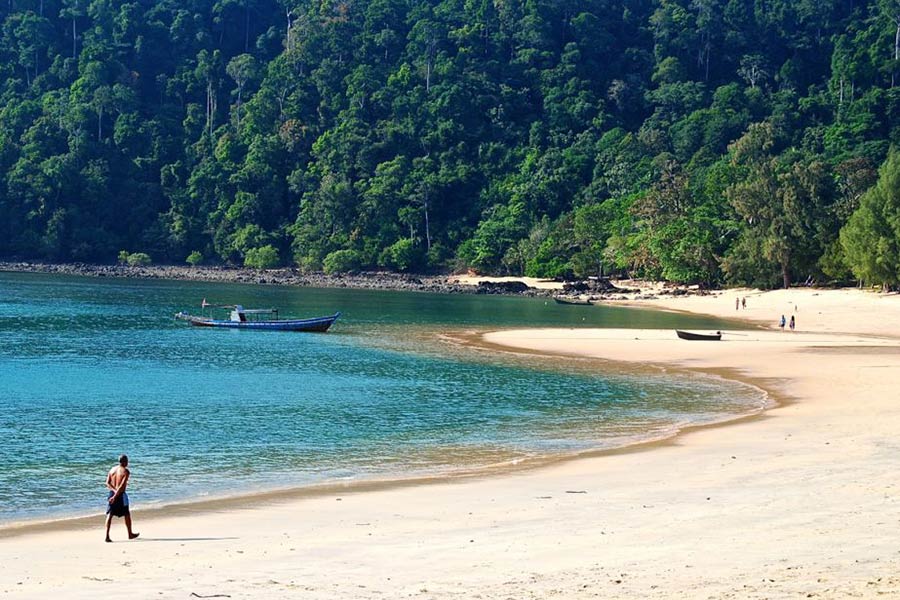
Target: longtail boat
{"x":699,"y":337}
{"x":265,"y":319}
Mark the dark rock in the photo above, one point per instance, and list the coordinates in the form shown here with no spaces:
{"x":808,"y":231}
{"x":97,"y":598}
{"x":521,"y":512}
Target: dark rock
{"x":501,"y":287}
{"x":595,"y":286}
{"x":576,"y":287}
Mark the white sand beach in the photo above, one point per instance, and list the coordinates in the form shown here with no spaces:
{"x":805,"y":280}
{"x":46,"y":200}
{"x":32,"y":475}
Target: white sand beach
{"x":803,"y":501}
{"x":534,"y":282}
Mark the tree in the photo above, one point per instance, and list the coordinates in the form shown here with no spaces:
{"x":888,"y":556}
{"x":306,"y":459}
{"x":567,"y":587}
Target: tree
{"x":591,"y":233}
{"x":891,"y":10}
{"x":243,"y":68}
{"x":544,"y":137}
{"x":780,"y":201}
{"x":74,"y":10}
{"x":871,"y":238}
{"x":753,"y":70}
{"x":501,"y":228}
{"x":31,"y":35}
{"x":208,"y":70}
{"x":102,"y":103}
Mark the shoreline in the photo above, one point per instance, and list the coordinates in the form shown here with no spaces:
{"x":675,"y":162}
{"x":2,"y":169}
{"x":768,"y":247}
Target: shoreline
{"x":471,"y":340}
{"x":797,"y":500}
{"x":243,"y":500}
{"x":440,"y":284}
{"x":365,"y":280}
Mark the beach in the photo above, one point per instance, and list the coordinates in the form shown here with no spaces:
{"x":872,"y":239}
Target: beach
{"x":801,"y":501}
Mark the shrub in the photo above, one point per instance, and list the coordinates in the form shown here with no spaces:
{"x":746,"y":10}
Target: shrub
{"x":265,"y":257}
{"x":123,"y":257}
{"x":307,"y":264}
{"x":341,"y":261}
{"x":401,"y":255}
{"x":194,"y":258}
{"x":437,"y":255}
{"x":139,"y":259}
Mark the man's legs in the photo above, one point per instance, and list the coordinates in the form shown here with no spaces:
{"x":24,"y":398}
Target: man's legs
{"x":108,"y":523}
{"x":131,"y":535}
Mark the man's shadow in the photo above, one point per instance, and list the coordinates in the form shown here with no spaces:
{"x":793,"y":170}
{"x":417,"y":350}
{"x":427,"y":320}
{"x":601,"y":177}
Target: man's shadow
{"x":191,"y":539}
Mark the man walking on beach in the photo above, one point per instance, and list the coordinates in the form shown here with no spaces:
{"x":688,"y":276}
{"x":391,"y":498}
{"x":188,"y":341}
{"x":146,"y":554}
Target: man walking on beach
{"x":117,"y":499}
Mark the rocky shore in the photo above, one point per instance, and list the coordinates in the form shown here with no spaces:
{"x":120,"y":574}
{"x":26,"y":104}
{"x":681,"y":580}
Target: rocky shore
{"x":594,"y":289}
{"x":363,"y":280}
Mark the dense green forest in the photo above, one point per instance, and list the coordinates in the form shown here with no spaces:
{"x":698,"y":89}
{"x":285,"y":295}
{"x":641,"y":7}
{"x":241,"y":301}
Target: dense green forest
{"x":704,"y":141}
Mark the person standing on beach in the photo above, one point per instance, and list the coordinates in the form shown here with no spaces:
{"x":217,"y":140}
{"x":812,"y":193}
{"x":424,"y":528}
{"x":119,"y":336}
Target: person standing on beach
{"x":781,"y":324}
{"x":737,"y":303}
{"x":744,"y":302}
{"x":793,"y":323}
{"x":117,"y":499}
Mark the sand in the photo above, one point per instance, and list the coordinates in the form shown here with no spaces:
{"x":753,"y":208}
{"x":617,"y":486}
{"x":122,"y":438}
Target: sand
{"x":802,"y":501}
{"x":534,"y":282}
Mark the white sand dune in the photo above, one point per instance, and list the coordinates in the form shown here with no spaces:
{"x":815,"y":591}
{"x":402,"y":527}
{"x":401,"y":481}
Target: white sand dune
{"x":800,"y":502}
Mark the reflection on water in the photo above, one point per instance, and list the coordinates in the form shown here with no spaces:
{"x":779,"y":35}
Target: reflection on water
{"x":91,"y":368}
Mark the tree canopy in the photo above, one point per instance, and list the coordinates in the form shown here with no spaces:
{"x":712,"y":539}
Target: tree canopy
{"x":700,"y":141}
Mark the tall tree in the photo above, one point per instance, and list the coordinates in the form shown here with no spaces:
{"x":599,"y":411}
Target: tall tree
{"x":871,"y":238}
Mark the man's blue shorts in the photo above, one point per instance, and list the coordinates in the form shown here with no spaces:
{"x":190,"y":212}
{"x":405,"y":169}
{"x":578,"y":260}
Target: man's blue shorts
{"x":119,"y":508}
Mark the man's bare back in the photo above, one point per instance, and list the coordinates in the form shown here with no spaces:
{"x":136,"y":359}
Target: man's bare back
{"x":117,"y":476}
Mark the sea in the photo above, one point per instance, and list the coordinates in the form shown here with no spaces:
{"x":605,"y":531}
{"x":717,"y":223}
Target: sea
{"x":91,"y":368}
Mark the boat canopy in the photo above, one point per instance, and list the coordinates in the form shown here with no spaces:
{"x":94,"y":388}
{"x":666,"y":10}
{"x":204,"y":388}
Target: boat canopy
{"x":240,"y":313}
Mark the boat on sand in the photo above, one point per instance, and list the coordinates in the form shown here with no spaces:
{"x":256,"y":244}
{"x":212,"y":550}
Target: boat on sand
{"x":699,"y":337}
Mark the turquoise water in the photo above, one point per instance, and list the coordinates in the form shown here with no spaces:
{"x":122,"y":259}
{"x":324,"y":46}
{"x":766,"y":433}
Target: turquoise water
{"x":91,"y":368}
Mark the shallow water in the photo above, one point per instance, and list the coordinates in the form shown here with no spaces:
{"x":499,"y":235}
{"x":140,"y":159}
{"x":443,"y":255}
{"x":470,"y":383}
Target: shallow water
{"x":91,"y":368}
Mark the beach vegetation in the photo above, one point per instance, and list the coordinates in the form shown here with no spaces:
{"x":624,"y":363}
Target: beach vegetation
{"x":342,"y":261}
{"x":402,"y":255}
{"x":264,"y":257}
{"x":871,"y":238}
{"x":139,"y":259}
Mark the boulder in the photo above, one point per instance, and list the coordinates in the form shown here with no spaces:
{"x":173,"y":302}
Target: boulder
{"x":501,"y":287}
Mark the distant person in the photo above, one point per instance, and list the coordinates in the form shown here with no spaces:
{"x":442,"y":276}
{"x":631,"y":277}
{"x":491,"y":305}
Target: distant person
{"x":744,"y":302}
{"x":117,"y":499}
{"x":793,"y":322}
{"x":737,"y":303}
{"x":781,"y":324}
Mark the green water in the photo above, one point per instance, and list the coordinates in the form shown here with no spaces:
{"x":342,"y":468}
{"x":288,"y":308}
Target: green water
{"x":91,"y":368}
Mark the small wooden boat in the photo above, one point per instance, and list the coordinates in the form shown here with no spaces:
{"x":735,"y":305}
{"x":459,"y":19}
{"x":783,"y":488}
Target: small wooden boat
{"x":574,"y":301}
{"x":699,"y":337}
{"x":265,"y":319}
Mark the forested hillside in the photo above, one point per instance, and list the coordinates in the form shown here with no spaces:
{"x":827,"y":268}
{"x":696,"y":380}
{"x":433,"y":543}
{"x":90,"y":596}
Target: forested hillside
{"x":711,"y":141}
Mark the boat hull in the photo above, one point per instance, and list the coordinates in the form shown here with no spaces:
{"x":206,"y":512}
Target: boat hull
{"x":573,"y":301}
{"x":318,"y":324}
{"x":698,"y":337}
